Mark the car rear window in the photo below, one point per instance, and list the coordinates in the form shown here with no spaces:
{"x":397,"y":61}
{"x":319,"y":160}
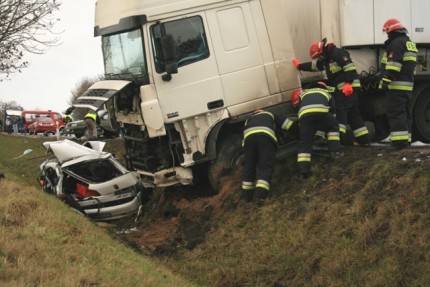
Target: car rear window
{"x":96,"y":171}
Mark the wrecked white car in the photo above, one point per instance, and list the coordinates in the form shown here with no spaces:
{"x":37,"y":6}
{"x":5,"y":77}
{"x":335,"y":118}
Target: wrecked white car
{"x":91,"y":181}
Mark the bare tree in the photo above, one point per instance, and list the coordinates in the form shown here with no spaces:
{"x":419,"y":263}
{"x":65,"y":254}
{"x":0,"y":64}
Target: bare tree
{"x":25,"y":26}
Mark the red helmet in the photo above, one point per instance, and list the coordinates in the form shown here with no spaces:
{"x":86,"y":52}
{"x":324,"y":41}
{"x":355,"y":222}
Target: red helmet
{"x":392,"y":25}
{"x":295,"y":97}
{"x":316,"y":49}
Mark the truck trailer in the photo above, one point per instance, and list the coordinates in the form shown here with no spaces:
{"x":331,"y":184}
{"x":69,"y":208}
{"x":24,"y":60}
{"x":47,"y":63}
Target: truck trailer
{"x":182,"y":76}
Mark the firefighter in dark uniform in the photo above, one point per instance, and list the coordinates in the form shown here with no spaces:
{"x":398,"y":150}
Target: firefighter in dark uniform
{"x":316,"y":112}
{"x":67,"y":115}
{"x":345,"y":85}
{"x":260,"y":145}
{"x":397,"y":70}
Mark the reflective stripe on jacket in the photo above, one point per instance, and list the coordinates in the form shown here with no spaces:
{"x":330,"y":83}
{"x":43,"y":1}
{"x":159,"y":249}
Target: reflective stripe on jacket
{"x":315,"y":101}
{"x":338,"y":66}
{"x":398,"y":62}
{"x":262,"y":122}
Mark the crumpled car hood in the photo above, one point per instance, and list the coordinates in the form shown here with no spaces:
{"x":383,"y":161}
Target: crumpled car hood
{"x":67,"y":150}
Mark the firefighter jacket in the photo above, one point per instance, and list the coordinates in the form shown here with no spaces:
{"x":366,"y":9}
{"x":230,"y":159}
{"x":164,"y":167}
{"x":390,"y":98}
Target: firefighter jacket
{"x":315,"y":101}
{"x":338,"y":66}
{"x":261,"y":122}
{"x":67,"y":118}
{"x":264,"y":123}
{"x":398,"y":62}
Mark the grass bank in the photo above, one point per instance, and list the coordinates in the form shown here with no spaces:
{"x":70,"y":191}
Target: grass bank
{"x":44,"y":243}
{"x":361,"y":220}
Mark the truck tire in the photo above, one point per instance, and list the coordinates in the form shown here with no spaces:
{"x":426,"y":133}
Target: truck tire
{"x":421,"y":116}
{"x":229,"y":157}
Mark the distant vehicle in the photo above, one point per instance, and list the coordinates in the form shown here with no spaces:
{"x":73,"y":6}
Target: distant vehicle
{"x":12,"y":117}
{"x":30,"y":115}
{"x":42,"y":125}
{"x":91,"y":181}
{"x":105,"y":129}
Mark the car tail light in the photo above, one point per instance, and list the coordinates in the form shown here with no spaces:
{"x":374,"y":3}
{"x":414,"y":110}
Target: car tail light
{"x":82,"y":191}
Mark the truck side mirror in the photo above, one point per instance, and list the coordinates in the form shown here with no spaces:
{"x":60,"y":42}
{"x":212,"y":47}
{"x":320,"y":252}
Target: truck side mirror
{"x":169,"y":55}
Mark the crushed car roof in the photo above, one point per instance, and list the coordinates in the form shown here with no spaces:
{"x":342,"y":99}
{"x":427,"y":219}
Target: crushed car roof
{"x":66,"y":150}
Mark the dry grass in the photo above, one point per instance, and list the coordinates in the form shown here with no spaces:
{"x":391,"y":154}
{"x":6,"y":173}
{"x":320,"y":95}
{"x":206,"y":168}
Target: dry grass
{"x":360,"y":221}
{"x":44,"y":243}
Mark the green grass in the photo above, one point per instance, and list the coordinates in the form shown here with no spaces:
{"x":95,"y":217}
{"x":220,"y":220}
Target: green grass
{"x":362,"y":220}
{"x":44,"y":243}
{"x":25,"y":168}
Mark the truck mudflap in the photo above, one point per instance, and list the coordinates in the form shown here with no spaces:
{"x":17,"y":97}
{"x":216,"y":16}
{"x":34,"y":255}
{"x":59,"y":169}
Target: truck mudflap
{"x":167,"y":177}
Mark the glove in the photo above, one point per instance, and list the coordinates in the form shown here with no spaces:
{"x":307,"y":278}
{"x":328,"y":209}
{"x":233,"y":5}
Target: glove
{"x":383,"y":84}
{"x":296,"y":63}
{"x":347,"y":89}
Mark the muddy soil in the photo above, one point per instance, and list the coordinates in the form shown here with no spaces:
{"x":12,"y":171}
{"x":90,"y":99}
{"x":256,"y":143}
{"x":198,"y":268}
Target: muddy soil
{"x":180,"y":217}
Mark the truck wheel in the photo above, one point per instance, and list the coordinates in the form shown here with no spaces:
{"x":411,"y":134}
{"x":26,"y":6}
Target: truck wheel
{"x":421,"y":116}
{"x":230,"y":156}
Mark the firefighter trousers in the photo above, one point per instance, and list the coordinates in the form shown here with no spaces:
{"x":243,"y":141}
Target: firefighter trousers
{"x":260,"y":151}
{"x":348,"y":112}
{"x":399,"y":117}
{"x":309,"y":124}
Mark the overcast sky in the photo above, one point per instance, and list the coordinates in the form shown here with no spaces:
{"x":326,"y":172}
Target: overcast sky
{"x":48,"y":81}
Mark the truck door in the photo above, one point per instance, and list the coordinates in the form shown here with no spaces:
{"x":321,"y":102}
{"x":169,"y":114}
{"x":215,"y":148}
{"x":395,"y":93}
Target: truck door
{"x":196,"y":87}
{"x":238,"y":51}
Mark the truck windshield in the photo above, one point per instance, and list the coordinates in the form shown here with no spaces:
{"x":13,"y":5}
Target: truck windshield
{"x":123,"y":53}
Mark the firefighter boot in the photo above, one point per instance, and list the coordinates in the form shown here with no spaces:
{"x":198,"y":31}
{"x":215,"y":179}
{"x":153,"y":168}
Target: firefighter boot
{"x":260,"y":196}
{"x":398,"y":145}
{"x":247,"y":195}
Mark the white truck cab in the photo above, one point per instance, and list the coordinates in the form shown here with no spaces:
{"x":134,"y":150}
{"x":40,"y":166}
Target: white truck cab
{"x":182,"y":76}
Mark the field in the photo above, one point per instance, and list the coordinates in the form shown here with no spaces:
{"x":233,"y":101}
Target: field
{"x":361,"y":220}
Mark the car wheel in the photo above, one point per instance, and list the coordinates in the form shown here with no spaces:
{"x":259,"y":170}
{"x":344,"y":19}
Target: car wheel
{"x":48,"y":179}
{"x":79,"y":211}
{"x":74,"y":205}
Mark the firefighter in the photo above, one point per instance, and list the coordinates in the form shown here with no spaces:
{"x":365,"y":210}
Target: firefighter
{"x":260,"y":145}
{"x":345,"y":85}
{"x":67,"y":115}
{"x":67,"y":119}
{"x":316,"y":112}
{"x":397,"y":70}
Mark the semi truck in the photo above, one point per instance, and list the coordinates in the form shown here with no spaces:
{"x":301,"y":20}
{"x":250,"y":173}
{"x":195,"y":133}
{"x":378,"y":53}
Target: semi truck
{"x":182,"y":76}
